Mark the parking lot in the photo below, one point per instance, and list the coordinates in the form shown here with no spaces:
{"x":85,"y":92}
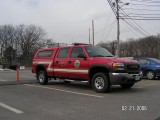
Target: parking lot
{"x":28,"y":100}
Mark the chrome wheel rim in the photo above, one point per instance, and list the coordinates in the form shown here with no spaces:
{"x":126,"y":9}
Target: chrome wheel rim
{"x":99,"y":83}
{"x":150,"y":75}
{"x":41,"y":77}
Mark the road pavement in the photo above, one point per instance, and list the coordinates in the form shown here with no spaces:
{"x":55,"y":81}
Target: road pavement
{"x":76,"y":101}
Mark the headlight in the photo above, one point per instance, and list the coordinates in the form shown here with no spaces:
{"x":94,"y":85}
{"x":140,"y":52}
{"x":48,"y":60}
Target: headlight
{"x":118,"y":66}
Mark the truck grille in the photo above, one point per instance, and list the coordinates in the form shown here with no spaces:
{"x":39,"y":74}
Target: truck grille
{"x":133,"y":68}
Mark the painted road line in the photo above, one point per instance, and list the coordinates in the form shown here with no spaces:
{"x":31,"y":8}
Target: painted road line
{"x":10,"y":108}
{"x":97,"y":96}
{"x":2,"y":80}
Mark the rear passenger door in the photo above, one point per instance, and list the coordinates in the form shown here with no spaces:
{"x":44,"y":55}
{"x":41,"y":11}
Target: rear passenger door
{"x":60,"y":62}
{"x":78,"y":67}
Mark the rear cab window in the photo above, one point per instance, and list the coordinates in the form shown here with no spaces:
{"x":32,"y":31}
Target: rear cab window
{"x":45,"y":53}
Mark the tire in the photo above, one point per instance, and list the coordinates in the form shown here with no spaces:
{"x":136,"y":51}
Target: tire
{"x":127,"y":85}
{"x":150,"y":75}
{"x":100,"y":82}
{"x":42,"y":77}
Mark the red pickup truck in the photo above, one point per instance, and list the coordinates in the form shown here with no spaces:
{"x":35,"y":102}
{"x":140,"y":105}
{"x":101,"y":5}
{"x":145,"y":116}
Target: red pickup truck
{"x":85,"y":63}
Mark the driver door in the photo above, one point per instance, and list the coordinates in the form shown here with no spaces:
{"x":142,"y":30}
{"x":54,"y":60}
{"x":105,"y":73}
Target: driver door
{"x":78,"y":67}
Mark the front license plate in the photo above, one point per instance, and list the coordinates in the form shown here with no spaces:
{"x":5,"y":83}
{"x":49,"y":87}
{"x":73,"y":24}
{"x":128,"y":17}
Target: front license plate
{"x":137,"y":77}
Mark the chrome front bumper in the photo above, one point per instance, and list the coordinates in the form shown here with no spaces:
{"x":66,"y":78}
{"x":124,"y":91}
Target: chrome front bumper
{"x":124,"y":78}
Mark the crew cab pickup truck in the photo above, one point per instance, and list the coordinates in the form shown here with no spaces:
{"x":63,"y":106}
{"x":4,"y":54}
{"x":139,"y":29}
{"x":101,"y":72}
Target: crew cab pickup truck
{"x":88,"y":63}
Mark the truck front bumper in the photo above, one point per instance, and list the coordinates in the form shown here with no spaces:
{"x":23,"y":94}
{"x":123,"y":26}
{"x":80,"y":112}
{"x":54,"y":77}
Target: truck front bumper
{"x":124,"y":78}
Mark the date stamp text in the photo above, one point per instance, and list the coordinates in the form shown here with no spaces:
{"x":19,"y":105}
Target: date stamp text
{"x":134,"y":108}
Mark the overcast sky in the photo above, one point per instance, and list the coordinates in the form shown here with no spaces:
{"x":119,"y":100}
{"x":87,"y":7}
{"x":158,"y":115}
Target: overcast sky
{"x":69,"y":21}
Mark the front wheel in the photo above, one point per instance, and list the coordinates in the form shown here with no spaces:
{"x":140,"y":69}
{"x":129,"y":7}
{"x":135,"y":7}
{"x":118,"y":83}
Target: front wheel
{"x":42,"y":77}
{"x":127,"y":85}
{"x":100,"y":82}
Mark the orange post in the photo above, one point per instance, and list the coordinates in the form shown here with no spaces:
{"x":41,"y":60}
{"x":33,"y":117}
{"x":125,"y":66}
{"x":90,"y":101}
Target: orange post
{"x":17,"y":74}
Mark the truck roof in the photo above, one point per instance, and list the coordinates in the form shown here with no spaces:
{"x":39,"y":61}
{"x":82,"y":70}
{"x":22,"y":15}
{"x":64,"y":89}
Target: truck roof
{"x":64,"y":45}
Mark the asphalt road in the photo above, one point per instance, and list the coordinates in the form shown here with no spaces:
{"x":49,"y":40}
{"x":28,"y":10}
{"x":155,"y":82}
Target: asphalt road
{"x":11,"y":75}
{"x":76,"y":101}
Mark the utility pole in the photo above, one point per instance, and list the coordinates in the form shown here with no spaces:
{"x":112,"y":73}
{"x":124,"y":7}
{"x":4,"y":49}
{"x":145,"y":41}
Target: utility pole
{"x":158,"y":36}
{"x":93,"y":30}
{"x":118,"y":28}
{"x":89,"y":37}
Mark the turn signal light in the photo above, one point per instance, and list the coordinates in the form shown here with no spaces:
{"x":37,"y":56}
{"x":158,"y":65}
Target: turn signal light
{"x":118,"y":66}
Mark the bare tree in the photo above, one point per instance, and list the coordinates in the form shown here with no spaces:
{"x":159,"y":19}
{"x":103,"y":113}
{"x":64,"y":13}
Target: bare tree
{"x":7,"y":39}
{"x":142,"y":47}
{"x":29,"y":38}
{"x":19,"y":43}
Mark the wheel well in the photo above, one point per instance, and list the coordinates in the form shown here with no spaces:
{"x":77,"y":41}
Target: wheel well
{"x":96,"y":70}
{"x":39,"y":68}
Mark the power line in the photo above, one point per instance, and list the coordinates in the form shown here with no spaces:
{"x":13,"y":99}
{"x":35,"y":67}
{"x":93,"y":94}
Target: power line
{"x":108,"y":33}
{"x":112,"y":7}
{"x":136,"y":12}
{"x":141,"y":14}
{"x":147,"y":16}
{"x":140,"y":19}
{"x":108,"y":19}
{"x":130,"y":28}
{"x":145,"y":1}
{"x":134,"y":22}
{"x":144,"y":5}
{"x":133,"y":27}
{"x":105,"y":27}
{"x":142,"y":9}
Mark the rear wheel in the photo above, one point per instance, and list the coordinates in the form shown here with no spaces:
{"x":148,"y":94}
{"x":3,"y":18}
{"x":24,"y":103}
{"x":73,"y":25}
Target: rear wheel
{"x":127,"y":85}
{"x":150,"y":75}
{"x":100,"y":82}
{"x":42,"y":77}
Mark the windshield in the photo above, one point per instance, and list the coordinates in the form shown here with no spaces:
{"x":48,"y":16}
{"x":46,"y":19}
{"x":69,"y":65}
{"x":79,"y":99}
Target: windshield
{"x":95,"y":51}
{"x":155,"y":60}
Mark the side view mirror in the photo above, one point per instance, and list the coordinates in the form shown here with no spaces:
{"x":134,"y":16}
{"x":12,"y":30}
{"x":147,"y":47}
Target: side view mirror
{"x":82,"y":56}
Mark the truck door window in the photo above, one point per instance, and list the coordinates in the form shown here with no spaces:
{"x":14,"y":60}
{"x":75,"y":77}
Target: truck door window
{"x":76,"y":52}
{"x":63,"y":53}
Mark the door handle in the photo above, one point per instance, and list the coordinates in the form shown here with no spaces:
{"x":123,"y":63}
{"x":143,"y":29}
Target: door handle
{"x":57,"y":62}
{"x":69,"y":62}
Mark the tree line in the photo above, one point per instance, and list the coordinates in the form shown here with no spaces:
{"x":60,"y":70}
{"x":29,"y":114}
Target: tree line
{"x":18,"y":44}
{"x":142,"y":47}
